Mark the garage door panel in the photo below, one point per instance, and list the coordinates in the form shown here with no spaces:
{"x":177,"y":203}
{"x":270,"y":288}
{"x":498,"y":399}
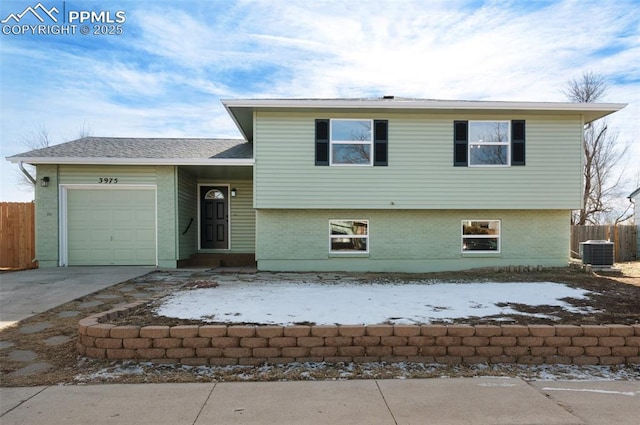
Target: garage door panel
{"x":111,"y":227}
{"x":123,"y":236}
{"x":121,"y":214}
{"x":122,"y":197}
{"x":147,"y":197}
{"x":144,"y":217}
{"x":145,"y":235}
{"x":99,"y":235}
{"x":133,"y":255}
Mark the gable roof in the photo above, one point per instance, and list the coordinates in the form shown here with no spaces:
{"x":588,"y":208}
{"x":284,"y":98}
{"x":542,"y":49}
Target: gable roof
{"x":241,"y":110}
{"x":148,"y":151}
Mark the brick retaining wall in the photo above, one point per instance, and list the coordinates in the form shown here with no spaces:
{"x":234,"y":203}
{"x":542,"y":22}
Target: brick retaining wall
{"x":451,"y":344}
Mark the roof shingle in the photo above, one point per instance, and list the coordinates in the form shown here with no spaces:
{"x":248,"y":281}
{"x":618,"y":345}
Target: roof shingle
{"x":146,"y":148}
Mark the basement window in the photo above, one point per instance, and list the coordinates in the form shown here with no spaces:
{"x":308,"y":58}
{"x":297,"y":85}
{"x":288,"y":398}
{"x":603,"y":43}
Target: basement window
{"x":347,"y":236}
{"x":481,"y":236}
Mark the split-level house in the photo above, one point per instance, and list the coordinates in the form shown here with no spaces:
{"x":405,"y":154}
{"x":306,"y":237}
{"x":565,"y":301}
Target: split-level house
{"x":387,"y":184}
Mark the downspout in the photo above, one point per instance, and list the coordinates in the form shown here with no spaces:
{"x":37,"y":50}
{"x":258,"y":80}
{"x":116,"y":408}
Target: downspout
{"x":26,"y":173}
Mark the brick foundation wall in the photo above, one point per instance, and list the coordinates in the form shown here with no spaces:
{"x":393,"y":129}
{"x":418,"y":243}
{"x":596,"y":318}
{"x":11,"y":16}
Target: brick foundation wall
{"x":449,"y":344}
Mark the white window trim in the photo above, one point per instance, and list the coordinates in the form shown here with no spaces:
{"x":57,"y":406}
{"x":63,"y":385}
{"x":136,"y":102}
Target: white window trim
{"x":350,"y":142}
{"x":507,"y":144}
{"x":349,"y":236}
{"x":498,"y":236}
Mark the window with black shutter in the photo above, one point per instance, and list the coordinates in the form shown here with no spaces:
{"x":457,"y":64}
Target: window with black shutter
{"x":380,"y":152}
{"x":517,"y":142}
{"x":460,"y":143}
{"x":351,"y":142}
{"x":489,"y":143}
{"x":322,"y":142}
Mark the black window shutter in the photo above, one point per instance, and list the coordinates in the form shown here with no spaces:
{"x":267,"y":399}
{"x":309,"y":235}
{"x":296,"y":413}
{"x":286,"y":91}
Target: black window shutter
{"x":517,"y":142}
{"x":380,"y":139}
{"x":460,"y":143}
{"x":322,"y":142}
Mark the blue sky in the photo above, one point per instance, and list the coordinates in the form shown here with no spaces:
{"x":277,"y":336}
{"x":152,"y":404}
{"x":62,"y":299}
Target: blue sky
{"x":165,"y":74}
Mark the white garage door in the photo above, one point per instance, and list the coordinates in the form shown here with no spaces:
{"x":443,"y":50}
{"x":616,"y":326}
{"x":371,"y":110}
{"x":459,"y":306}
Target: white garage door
{"x":111,"y":227}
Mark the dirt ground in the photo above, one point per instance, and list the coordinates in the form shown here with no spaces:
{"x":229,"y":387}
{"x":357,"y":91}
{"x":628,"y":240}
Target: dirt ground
{"x":49,"y":361}
{"x":615,"y":297}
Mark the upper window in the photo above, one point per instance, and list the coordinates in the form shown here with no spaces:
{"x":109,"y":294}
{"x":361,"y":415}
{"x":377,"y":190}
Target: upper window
{"x":349,"y":235}
{"x":489,"y":143}
{"x":481,"y":236}
{"x":351,"y":142}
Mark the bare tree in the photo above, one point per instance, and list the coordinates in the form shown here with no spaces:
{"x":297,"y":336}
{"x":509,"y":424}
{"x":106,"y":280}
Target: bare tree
{"x":604,"y":157}
{"x":39,"y":139}
{"x":84,"y":131}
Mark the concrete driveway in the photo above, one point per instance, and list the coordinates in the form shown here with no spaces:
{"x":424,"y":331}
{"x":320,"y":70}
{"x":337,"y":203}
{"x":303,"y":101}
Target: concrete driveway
{"x":28,"y":292}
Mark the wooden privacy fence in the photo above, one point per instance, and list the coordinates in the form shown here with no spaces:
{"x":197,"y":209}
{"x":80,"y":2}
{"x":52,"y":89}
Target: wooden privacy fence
{"x":17,"y":235}
{"x":623,"y":237}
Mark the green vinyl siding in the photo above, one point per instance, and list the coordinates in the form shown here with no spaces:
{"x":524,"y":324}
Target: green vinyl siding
{"x":91,"y":174}
{"x":410,"y":240}
{"x":46,"y":217}
{"x":243,"y":218}
{"x":167,"y":215}
{"x":187,"y":214}
{"x":420,"y":172}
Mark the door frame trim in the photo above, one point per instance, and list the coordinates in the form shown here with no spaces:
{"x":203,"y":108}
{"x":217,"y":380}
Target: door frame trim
{"x":63,"y":243}
{"x":214,"y":184}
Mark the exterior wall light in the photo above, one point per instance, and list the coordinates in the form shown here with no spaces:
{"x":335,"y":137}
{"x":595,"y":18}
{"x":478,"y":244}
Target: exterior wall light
{"x":44,"y":182}
{"x":234,"y":192}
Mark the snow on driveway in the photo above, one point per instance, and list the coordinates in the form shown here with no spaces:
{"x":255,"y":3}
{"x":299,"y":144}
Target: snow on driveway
{"x":290,"y":302}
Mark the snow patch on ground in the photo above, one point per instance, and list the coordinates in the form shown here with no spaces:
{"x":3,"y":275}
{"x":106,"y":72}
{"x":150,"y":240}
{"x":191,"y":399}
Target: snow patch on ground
{"x":351,"y":304}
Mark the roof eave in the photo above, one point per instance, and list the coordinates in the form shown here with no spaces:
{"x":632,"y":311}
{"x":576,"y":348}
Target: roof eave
{"x":241,"y":110}
{"x":244,"y":122}
{"x":131,"y":161}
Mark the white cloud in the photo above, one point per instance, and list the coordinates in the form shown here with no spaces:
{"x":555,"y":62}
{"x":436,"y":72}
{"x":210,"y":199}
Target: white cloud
{"x":164,"y":76}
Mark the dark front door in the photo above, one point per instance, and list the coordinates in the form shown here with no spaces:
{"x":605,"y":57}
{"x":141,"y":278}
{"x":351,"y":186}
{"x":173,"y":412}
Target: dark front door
{"x":214,"y":219}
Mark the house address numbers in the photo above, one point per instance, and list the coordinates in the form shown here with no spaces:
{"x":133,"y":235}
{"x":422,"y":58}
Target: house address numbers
{"x":108,"y":180}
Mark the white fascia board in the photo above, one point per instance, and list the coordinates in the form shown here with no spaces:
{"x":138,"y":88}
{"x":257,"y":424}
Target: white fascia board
{"x":130,"y":161}
{"x":592,"y":111}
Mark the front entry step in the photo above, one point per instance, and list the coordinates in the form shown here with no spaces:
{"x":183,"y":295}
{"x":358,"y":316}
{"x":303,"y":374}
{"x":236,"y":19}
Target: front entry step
{"x":211,"y":261}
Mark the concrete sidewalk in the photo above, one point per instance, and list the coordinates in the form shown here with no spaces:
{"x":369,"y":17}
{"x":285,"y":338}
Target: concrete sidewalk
{"x":28,"y":292}
{"x":420,"y":401}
